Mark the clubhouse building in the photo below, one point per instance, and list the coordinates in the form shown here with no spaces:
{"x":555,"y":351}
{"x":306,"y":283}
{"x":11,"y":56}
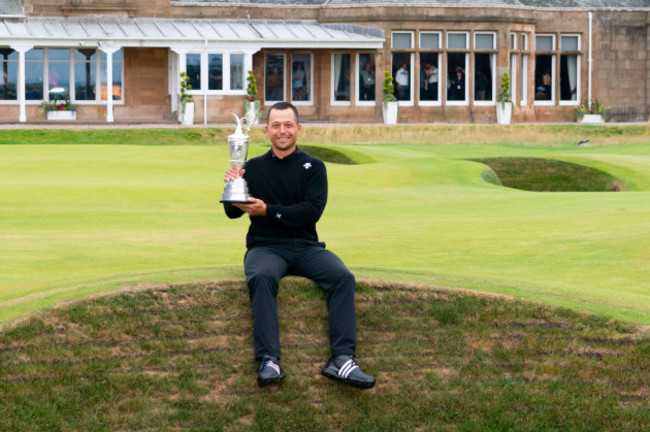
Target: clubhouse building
{"x":120,"y":60}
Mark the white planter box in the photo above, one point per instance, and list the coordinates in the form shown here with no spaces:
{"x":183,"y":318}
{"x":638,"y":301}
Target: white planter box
{"x":187,"y":117}
{"x":62,"y":115}
{"x":504,"y":113}
{"x":391,"y":110}
{"x":592,"y":119}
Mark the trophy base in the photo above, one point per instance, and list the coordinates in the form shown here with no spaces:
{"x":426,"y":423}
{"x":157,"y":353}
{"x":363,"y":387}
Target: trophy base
{"x":235,"y":191}
{"x":234,"y":201}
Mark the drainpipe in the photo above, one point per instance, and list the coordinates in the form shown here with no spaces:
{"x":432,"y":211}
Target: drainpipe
{"x":589,"y":60}
{"x":205,"y":93}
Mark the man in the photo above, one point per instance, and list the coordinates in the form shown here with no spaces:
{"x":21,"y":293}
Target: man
{"x":402,"y":80}
{"x":288,"y":191}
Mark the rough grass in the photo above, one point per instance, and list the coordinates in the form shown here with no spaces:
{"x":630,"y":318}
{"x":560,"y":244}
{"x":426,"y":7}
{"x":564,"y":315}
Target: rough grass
{"x":179,"y":358}
{"x":549,"y":175}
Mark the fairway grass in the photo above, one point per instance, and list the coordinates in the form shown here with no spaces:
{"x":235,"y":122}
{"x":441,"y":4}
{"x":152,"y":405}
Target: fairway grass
{"x":86,"y":218}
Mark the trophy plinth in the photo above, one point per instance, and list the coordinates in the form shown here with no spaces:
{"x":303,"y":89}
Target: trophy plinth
{"x":236,"y":190}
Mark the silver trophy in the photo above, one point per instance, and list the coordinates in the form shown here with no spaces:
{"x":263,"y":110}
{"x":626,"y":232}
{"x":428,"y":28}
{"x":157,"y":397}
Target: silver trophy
{"x":236,"y":191}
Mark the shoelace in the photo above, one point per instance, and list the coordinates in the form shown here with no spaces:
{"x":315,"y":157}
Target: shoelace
{"x":347,"y":368}
{"x":273,"y":365}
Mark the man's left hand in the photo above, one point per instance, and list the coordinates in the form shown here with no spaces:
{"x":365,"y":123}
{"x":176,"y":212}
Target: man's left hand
{"x":255,"y":207}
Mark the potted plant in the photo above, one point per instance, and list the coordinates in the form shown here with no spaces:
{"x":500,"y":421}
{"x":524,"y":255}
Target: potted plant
{"x":59,"y":109}
{"x":390,"y":104}
{"x":187,"y":101}
{"x":252,"y":106}
{"x":593,"y":112}
{"x":504,"y":101}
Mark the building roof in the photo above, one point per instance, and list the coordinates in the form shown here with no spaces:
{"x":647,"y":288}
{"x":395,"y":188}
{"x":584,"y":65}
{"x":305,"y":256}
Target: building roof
{"x":11,"y":8}
{"x":540,"y":4}
{"x":60,"y":31}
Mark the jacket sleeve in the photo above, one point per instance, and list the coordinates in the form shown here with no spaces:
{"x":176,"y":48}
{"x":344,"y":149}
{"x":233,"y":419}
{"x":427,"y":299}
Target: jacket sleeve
{"x":309,"y":210}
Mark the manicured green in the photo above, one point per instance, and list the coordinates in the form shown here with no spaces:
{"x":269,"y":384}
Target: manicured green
{"x":92,"y":216}
{"x":179,"y":358}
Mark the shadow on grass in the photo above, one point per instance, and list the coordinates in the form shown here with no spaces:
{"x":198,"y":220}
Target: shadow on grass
{"x":180,"y":358}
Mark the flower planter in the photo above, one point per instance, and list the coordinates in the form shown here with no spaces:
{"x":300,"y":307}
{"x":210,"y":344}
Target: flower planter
{"x":504,"y":113}
{"x":62,"y":115}
{"x":391,"y":110}
{"x":592,"y":119}
{"x":187,"y":116}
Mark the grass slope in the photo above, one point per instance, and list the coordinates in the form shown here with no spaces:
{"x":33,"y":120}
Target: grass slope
{"x":178,"y":358}
{"x":84,"y":218}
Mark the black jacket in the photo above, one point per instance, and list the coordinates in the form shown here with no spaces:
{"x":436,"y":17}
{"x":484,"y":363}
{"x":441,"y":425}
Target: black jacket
{"x":295,"y":192}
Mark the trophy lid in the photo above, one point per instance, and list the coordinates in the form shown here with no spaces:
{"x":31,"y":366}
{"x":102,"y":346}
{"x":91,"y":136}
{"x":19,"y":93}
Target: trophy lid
{"x":239,"y":134}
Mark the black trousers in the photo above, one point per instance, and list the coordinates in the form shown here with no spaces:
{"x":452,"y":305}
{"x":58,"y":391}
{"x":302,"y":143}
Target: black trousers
{"x":266,"y":265}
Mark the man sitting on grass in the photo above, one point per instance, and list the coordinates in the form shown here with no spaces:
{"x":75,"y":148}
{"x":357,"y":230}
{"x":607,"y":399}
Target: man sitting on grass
{"x":290,"y":192}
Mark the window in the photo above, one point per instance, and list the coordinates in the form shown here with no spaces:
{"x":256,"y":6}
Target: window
{"x":215,"y":72}
{"x":9,"y":74}
{"x":402,"y":40}
{"x":341,"y":79}
{"x":569,"y":68}
{"x":274,"y":78}
{"x":34,"y":60}
{"x":544,"y":69}
{"x":524,"y":41}
{"x":429,"y":77}
{"x":429,"y":72}
{"x":85,"y":67}
{"x":301,"y":74}
{"x":366,"y":79}
{"x":402,"y":66}
{"x":484,"y":67}
{"x":456,"y":68}
{"x":513,"y":78}
{"x":236,"y":71}
{"x":58,"y":74}
{"x":522,"y":79}
{"x":513,"y":41}
{"x":117,"y":75}
{"x":429,"y":40}
{"x":193,"y":70}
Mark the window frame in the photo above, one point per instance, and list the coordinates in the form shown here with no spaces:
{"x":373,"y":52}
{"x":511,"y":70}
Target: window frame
{"x":553,"y":54}
{"x":225,"y":78}
{"x":98,"y":101}
{"x":333,"y":100}
{"x":438,"y":101}
{"x":466,"y":51}
{"x":493,"y":65}
{"x":411,"y":100}
{"x":411,"y":33}
{"x":578,"y":54}
{"x":356,"y":72}
{"x":268,"y":102}
{"x":310,"y":101}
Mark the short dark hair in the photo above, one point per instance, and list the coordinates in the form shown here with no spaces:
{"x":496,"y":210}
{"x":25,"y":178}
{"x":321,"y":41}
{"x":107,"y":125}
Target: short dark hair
{"x":281,"y":106}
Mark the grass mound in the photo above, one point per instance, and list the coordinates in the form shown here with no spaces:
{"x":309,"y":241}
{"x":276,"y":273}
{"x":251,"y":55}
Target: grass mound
{"x":548,"y":175}
{"x":180,"y":358}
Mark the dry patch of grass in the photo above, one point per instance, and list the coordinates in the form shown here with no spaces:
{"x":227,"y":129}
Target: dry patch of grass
{"x":179,"y":357}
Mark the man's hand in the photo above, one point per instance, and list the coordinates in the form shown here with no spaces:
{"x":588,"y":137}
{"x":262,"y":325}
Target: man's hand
{"x":233,"y":173}
{"x":256,"y":207}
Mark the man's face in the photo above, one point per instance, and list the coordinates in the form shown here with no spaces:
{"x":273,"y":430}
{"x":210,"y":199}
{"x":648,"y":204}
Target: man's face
{"x":282,"y":130}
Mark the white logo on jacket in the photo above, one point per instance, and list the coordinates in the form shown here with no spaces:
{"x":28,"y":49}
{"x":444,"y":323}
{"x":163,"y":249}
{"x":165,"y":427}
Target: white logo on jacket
{"x":307,"y":165}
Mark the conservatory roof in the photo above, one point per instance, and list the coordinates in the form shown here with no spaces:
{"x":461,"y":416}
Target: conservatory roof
{"x":189,"y":33}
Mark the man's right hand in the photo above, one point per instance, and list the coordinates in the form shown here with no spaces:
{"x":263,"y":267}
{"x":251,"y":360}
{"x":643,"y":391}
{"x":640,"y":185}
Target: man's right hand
{"x":233,"y":173}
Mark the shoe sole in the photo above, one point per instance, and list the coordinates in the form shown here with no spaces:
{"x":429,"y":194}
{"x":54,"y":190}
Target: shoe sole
{"x":264,"y":383}
{"x":357,"y":384}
